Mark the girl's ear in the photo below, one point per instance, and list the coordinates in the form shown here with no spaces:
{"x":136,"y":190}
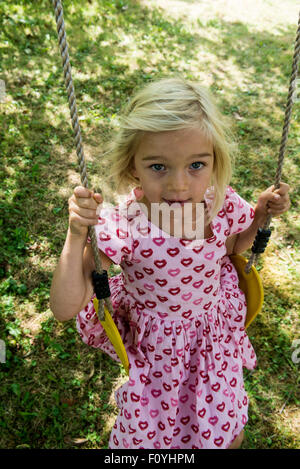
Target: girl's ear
{"x":133,"y":170}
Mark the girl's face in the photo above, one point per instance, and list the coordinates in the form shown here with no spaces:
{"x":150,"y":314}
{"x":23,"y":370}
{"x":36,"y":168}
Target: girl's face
{"x":174,"y":166}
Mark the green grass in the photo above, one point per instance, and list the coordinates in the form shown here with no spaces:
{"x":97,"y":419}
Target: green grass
{"x":56,"y":392}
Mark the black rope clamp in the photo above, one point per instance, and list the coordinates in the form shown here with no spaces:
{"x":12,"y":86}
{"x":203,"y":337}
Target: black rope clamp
{"x":101,"y":285}
{"x":261,"y":240}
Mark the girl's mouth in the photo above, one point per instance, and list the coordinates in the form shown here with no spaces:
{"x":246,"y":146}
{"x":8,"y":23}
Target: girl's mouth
{"x":181,"y":202}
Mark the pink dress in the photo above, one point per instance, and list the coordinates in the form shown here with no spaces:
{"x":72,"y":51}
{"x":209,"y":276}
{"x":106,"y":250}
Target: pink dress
{"x":181,"y":315}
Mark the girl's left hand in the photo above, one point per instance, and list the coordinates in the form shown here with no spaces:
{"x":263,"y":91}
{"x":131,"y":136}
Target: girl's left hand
{"x":274,"y":202}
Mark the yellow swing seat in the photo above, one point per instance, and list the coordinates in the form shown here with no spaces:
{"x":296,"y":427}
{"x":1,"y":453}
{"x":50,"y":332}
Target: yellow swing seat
{"x":251,"y":285}
{"x":113,"y":334}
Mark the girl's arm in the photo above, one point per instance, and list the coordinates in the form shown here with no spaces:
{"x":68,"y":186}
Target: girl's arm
{"x":275,"y":203}
{"x":72,"y":288}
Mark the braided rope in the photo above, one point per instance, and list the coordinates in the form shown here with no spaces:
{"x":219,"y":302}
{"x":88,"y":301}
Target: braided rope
{"x":287,"y":120}
{"x":63,"y":45}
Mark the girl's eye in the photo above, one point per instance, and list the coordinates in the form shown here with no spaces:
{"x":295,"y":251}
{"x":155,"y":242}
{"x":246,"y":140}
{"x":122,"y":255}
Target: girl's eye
{"x":157,"y":167}
{"x":197,"y":165}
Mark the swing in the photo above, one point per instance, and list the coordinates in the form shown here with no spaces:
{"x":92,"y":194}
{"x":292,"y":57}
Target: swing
{"x":249,"y":280}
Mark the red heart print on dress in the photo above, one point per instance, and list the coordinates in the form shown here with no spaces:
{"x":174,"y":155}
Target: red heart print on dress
{"x":156,"y":393}
{"x":202,"y":412}
{"x":186,"y":262}
{"x":186,"y":280}
{"x":154,"y":413}
{"x":101,"y":221}
{"x":195,"y":428}
{"x":209,"y":273}
{"x":174,"y":272}
{"x":219,"y":441}
{"x":136,"y":441}
{"x":198,"y":268}
{"x":187,"y":296}
{"x":207,"y":289}
{"x":162,"y":299}
{"x":158,"y":241}
{"x":184,"y":398}
{"x":211,"y":240}
{"x":138,"y":274}
{"x":229,"y":207}
{"x":185,"y":439}
{"x":150,"y":304}
{"x":221,"y":407}
{"x":144,"y":401}
{"x":226,"y":427}
{"x":104,"y":236}
{"x":151,"y":435}
{"x":143,"y":425}
{"x":198,"y":250}
{"x":121,"y":233}
{"x":186,"y":314}
{"x":148,"y":270}
{"x":184,"y":242}
{"x":160,"y":263}
{"x":161,"y":425}
{"x":167,"y":387}
{"x":185,"y":420}
{"x":198,"y":284}
{"x":171,"y":421}
{"x":167,"y":440}
{"x":173,"y":251}
{"x":209,"y":255}
{"x":110,"y":252}
{"x":213,"y":420}
{"x":161,"y":282}
{"x":134,"y":397}
{"x":242,"y":219}
{"x":146,"y":252}
{"x":206,"y":434}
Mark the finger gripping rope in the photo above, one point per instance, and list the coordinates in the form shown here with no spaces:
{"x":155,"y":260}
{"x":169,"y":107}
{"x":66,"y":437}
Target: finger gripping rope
{"x":101,"y":285}
{"x":261,"y":240}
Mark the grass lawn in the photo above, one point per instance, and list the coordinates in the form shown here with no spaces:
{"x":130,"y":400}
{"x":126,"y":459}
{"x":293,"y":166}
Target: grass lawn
{"x":55,"y":391}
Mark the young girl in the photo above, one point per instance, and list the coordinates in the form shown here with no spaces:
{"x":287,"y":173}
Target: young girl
{"x":176,"y":303}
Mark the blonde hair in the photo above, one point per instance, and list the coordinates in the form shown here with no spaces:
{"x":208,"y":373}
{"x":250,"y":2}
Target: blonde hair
{"x":172,"y":104}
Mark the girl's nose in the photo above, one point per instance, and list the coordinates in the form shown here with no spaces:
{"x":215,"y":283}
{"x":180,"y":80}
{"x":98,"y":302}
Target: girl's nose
{"x":177,"y":183}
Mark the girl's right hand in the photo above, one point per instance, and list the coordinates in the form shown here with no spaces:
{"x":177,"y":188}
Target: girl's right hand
{"x":84,"y":207}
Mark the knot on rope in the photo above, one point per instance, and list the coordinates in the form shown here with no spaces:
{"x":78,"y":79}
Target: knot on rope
{"x":261,"y":240}
{"x":101,"y":285}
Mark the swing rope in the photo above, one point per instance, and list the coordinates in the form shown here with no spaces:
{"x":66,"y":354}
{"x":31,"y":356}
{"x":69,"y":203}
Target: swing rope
{"x":264,"y":233}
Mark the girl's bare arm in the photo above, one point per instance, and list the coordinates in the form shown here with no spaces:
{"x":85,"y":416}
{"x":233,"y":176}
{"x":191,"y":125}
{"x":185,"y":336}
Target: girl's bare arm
{"x":72,"y":287}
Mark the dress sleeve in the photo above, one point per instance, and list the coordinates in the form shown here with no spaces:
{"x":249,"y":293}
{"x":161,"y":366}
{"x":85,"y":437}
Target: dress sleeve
{"x":114,"y":235}
{"x":239,"y":212}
